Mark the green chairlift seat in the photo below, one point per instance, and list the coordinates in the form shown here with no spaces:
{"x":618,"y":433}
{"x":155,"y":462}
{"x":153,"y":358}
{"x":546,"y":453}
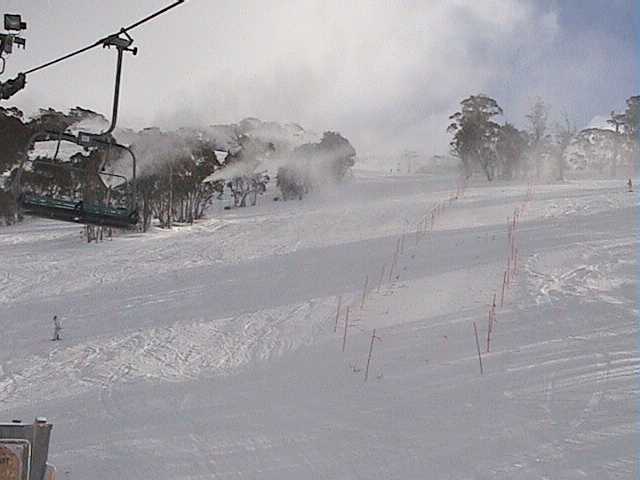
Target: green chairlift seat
{"x":80,"y":212}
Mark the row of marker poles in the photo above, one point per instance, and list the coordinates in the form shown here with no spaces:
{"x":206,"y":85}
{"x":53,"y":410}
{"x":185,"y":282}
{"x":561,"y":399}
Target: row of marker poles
{"x":427,"y":223}
{"x":348,"y":324}
{"x":424,"y":227}
{"x":509,"y":273}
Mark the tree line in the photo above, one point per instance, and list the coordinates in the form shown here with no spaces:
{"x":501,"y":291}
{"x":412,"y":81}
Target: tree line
{"x":180,"y":173}
{"x":503,"y":151}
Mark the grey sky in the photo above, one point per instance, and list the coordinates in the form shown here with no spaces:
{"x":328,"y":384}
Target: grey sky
{"x":384,"y":73}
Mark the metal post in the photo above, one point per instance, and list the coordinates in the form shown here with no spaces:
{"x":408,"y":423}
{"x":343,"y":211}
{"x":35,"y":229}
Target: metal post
{"x":134,"y":182}
{"x":475,"y":329}
{"x":364,"y":291}
{"x":116,"y":94}
{"x":384,"y":267}
{"x":373,"y":339}
{"x":346,"y":325}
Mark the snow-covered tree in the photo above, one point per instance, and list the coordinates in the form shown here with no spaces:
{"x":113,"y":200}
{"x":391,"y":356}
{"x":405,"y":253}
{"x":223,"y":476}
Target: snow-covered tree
{"x":475,"y":134}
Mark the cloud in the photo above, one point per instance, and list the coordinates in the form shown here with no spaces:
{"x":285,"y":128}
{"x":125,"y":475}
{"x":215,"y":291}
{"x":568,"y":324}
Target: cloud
{"x":386,"y":74}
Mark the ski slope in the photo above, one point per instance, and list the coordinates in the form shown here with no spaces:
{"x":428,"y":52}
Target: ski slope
{"x":213,"y":351}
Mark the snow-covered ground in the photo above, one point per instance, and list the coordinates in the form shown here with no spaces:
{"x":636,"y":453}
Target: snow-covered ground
{"x":212,"y":351}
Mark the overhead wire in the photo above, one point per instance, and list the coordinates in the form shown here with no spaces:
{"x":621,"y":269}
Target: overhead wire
{"x":104,"y":39}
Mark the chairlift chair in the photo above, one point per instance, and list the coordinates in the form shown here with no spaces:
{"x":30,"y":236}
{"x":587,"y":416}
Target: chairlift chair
{"x":86,"y":211}
{"x":79,"y":209}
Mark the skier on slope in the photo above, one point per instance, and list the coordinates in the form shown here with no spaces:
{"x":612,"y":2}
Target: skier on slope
{"x":56,"y":329}
{"x":630,"y":186}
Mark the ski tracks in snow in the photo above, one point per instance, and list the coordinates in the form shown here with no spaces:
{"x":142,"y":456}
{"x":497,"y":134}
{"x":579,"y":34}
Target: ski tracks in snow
{"x":179,"y":352}
{"x":594,"y":272}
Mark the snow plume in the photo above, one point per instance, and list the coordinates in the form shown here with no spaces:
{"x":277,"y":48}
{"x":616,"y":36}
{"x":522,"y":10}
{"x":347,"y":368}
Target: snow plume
{"x":248,"y":156}
{"x":252,"y":146}
{"x":317,"y":165}
{"x":92,"y":124}
{"x":155,"y":149}
{"x":386,"y":74}
{"x":239,"y":169}
{"x":284,"y":137}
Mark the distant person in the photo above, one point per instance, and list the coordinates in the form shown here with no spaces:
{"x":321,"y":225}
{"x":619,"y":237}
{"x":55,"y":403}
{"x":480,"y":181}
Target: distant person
{"x":630,"y":185}
{"x":56,"y":329}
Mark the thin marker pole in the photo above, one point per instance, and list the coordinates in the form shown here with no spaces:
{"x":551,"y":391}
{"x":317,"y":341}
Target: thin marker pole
{"x":489,"y":329}
{"x":508,"y":283}
{"x":475,"y":329}
{"x":373,"y":339}
{"x":493,"y":307}
{"x":395,"y":260}
{"x":335,"y":329}
{"x":364,"y":291}
{"x":346,"y":324}
{"x":384,"y":267}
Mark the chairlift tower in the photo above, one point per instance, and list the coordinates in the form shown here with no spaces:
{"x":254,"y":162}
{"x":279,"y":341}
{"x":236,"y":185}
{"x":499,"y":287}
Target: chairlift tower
{"x":84,"y":211}
{"x":24,"y":447}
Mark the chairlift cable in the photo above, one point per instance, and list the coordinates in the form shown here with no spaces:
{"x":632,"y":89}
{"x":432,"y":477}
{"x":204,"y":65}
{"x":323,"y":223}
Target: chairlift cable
{"x":61,"y":59}
{"x":152,"y":16}
{"x":102,"y":40}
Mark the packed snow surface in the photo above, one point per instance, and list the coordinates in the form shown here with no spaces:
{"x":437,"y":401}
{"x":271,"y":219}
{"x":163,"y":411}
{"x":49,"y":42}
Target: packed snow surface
{"x":213,"y":351}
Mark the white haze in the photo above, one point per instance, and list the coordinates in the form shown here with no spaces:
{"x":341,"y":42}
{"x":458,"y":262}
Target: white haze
{"x":384,"y":74}
{"x":239,"y":169}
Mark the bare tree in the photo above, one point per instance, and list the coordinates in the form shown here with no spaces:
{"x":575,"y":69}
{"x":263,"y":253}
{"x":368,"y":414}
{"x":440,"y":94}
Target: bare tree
{"x":565,"y":133}
{"x":538,"y":140}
